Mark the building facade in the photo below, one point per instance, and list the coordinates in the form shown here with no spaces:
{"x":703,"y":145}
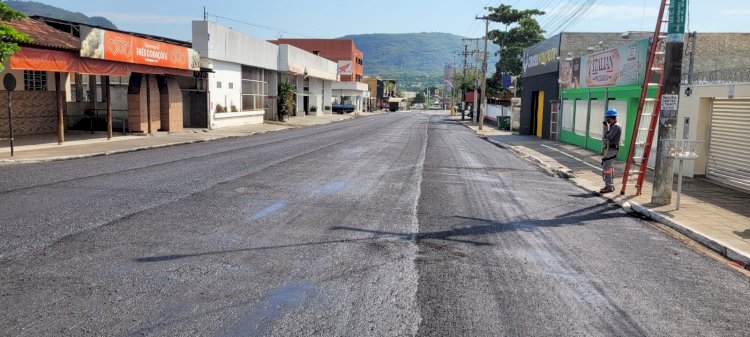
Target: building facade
{"x":242,"y":83}
{"x":83,"y":77}
{"x":349,"y":59}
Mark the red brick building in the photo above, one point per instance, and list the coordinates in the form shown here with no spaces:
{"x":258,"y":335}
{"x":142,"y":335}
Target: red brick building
{"x":343,"y":51}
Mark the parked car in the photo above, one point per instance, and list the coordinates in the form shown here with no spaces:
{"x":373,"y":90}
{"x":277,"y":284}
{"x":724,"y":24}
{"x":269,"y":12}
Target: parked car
{"x":342,"y":108}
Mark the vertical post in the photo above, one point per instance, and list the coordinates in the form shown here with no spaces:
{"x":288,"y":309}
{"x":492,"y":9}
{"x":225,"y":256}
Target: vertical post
{"x":60,"y":117}
{"x":679,"y":185}
{"x":484,"y":73}
{"x":148,"y":104}
{"x":693,"y":39}
{"x":108,"y":97}
{"x":10,"y":120}
{"x":463,"y":90}
{"x":664,"y":168}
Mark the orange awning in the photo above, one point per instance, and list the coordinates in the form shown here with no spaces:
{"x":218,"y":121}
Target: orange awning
{"x":59,"y":61}
{"x":44,"y":60}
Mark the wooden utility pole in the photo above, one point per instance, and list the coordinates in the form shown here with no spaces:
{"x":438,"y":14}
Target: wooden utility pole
{"x":60,"y":114}
{"x":664,"y":168}
{"x":483,"y":101}
{"x":108,"y":97}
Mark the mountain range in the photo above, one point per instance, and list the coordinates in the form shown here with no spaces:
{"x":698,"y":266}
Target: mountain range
{"x":36,"y":8}
{"x":416,"y":59}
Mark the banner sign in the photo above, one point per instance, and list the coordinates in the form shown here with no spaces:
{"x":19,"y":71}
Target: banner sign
{"x":624,"y":65}
{"x":112,"y":46}
{"x":345,"y":68}
{"x":541,"y":58}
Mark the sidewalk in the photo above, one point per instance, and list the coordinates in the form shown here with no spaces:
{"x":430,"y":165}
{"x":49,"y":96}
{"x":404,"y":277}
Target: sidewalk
{"x":41,"y":148}
{"x":715,"y":216}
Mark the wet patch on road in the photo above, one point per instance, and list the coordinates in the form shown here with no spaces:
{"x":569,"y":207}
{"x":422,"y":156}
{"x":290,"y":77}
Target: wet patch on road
{"x":268,"y":210}
{"x":259,"y":318}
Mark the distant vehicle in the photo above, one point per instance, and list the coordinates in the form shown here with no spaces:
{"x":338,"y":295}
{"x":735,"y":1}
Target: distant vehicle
{"x":435,"y":107}
{"x":342,"y":108}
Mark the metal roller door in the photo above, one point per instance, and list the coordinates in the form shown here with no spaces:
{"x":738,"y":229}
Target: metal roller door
{"x":729,"y":145}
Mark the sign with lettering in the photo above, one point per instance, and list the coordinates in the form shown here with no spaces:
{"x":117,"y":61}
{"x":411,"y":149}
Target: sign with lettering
{"x":112,"y":46}
{"x":542,"y":57}
{"x":669,"y":101}
{"x":623,"y":65}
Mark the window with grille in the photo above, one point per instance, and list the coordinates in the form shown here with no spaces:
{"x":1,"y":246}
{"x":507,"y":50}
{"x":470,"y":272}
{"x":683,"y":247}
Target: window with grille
{"x":34,"y":80}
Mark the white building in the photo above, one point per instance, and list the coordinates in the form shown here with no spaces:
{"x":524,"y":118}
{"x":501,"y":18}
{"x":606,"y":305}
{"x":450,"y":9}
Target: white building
{"x":244,"y":79}
{"x":354,"y":93}
{"x":312,"y":76}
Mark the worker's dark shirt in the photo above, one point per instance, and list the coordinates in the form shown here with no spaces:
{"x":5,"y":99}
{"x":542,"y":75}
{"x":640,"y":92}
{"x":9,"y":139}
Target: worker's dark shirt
{"x":614,"y":133}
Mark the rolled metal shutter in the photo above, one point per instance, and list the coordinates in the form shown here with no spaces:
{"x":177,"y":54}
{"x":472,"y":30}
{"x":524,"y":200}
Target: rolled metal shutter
{"x":729,"y":143}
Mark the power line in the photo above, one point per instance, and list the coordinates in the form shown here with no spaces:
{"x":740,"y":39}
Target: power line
{"x":259,"y":26}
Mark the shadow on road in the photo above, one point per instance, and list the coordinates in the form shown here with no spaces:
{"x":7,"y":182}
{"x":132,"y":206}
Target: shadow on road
{"x":467,"y":230}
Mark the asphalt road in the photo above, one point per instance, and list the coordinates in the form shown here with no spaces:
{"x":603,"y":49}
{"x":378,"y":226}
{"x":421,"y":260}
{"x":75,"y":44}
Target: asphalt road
{"x":393,"y":225}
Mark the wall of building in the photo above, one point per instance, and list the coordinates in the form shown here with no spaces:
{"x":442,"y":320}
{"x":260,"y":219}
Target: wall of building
{"x":332,"y":49}
{"x":138,"y":109}
{"x":225,"y":73}
{"x":698,"y":107}
{"x":548,"y":84}
{"x":34,"y":112}
{"x":217,"y":42}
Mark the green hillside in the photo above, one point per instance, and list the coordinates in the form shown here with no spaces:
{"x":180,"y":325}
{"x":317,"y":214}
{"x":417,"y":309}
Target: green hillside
{"x":416,"y":59}
{"x":36,"y":8}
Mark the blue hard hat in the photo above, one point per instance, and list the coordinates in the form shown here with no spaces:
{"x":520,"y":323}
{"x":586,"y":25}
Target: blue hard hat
{"x":610,"y":113}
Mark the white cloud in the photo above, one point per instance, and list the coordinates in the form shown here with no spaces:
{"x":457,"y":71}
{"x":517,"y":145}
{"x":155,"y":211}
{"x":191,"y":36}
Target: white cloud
{"x":144,"y":18}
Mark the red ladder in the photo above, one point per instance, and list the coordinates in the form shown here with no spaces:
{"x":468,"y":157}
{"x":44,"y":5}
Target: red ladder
{"x":643,"y":137}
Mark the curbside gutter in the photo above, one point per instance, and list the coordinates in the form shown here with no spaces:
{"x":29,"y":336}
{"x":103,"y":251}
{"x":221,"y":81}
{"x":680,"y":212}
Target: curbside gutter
{"x":724,"y":250}
{"x":151,"y":147}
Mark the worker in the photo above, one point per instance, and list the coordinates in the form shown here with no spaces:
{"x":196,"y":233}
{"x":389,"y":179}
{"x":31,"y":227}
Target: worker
{"x":611,"y":140}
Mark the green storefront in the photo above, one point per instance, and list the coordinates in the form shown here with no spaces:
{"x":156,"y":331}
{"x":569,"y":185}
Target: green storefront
{"x":594,"y":83}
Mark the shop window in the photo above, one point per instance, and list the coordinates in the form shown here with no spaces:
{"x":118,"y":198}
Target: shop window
{"x":567,"y":115}
{"x":34,"y":80}
{"x":596,"y":120}
{"x":582,"y":114}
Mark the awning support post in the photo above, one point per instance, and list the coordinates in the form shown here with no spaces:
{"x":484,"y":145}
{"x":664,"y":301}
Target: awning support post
{"x":60,"y":117}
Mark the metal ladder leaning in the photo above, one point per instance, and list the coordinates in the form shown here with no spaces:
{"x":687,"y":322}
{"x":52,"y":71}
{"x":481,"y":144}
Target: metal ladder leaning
{"x":645,"y":122}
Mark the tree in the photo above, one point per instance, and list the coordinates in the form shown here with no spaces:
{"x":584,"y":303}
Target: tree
{"x":521,"y":31}
{"x":9,"y":37}
{"x":420,"y":98}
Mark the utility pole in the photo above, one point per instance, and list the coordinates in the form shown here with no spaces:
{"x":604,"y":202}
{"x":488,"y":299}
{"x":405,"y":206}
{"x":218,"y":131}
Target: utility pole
{"x":664,"y":170}
{"x":466,"y":53}
{"x":205,"y":15}
{"x":484,"y":70}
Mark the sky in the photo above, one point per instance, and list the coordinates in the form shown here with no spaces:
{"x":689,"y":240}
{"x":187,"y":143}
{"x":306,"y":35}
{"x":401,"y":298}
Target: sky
{"x":335,"y":18}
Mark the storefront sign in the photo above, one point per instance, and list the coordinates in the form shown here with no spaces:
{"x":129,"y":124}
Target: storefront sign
{"x":345,"y":68}
{"x":620,"y":66}
{"x":112,"y":46}
{"x":669,"y":102}
{"x":541,"y":58}
{"x":570,"y":74}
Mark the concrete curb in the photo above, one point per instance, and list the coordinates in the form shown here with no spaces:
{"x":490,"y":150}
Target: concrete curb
{"x":718,"y":247}
{"x":151,"y":147}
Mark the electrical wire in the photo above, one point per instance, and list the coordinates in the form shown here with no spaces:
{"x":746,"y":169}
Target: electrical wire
{"x":279,"y":30}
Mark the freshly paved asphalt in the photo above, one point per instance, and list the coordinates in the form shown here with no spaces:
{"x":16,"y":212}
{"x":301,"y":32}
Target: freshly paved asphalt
{"x":392,"y":225}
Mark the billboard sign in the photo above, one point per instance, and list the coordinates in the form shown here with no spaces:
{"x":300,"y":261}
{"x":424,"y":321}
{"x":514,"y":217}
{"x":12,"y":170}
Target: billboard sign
{"x":345,"y":68}
{"x":541,"y":58}
{"x":624,"y":65}
{"x":112,"y":46}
